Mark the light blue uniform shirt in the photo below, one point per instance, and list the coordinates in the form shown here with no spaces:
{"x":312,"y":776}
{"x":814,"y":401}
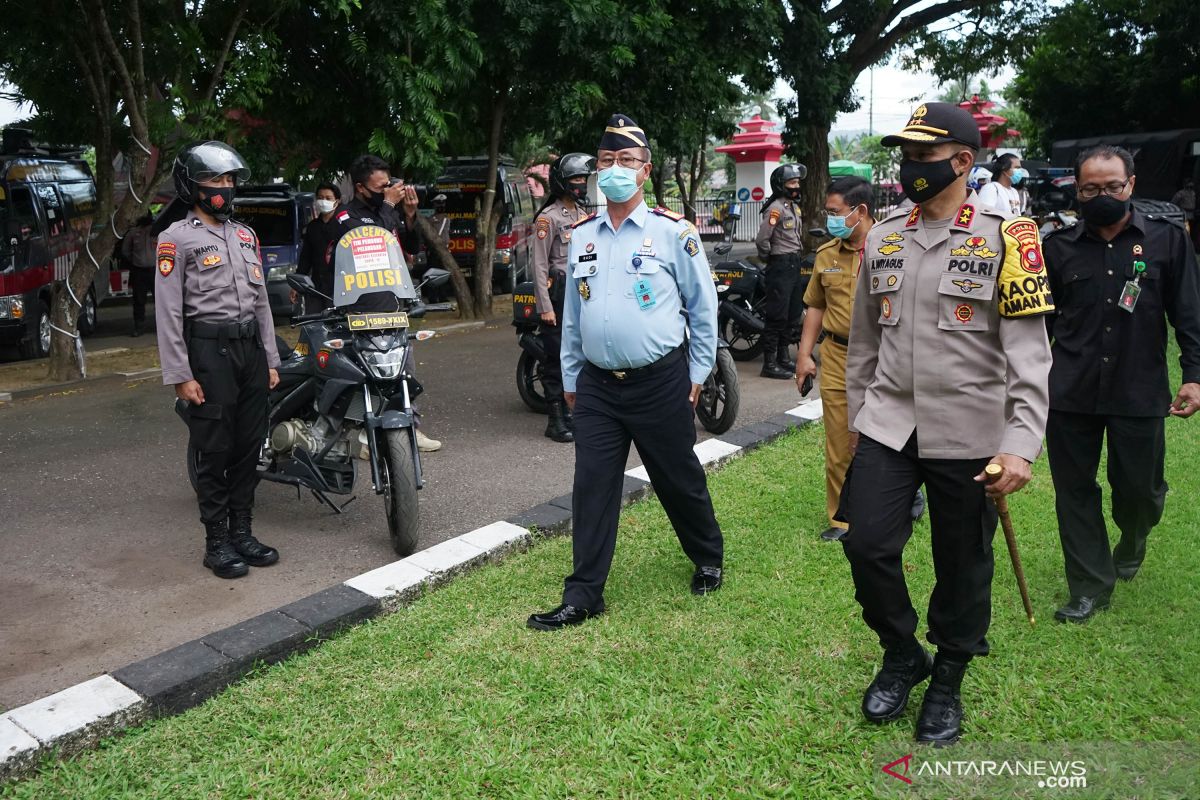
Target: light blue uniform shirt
{"x":614,"y":328}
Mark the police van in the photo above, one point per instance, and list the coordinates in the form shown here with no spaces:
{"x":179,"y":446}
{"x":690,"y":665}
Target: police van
{"x":47,"y":199}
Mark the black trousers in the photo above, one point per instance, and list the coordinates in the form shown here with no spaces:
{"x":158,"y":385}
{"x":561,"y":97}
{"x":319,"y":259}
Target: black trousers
{"x":551,"y":336}
{"x":876,"y":501}
{"x":654,"y":413}
{"x":227,"y":431}
{"x":784,"y":302}
{"x":141,"y":282}
{"x":1136,"y":451}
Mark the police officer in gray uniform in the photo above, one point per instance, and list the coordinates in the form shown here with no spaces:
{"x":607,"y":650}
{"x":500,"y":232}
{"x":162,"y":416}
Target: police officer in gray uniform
{"x":780,"y":246}
{"x":568,"y":188}
{"x":216,"y":342}
{"x":630,"y":375}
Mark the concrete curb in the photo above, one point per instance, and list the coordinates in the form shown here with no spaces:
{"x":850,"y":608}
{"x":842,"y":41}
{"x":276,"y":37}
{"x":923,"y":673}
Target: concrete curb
{"x":171,"y":682}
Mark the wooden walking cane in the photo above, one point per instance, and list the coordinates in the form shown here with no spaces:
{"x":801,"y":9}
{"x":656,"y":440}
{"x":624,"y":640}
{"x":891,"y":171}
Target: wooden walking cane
{"x":993,"y":472}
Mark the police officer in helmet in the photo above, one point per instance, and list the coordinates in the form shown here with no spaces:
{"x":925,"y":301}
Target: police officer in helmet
{"x":779,"y":245}
{"x":216,"y":341}
{"x":562,"y":209}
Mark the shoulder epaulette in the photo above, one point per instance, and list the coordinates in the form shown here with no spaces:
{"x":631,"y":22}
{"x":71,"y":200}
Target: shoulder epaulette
{"x":585,"y":220}
{"x":899,"y":211}
{"x":834,"y":242}
{"x":666,"y":212}
{"x":1169,"y":220}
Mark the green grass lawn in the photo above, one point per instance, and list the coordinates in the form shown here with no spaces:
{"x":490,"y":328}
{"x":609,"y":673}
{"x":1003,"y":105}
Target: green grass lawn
{"x":752,"y":692}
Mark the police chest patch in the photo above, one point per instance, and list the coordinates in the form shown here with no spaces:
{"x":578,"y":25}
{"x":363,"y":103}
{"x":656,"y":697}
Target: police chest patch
{"x":245,"y":235}
{"x":691,"y":247}
{"x":211,"y":260}
{"x":166,"y":258}
{"x":888,"y":249}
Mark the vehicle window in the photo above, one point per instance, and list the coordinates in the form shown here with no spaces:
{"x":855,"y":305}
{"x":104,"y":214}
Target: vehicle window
{"x":274,"y":223}
{"x":79,"y":199}
{"x":22,"y":221}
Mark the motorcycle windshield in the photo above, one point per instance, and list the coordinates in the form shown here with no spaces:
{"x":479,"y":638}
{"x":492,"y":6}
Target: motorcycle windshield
{"x":368,"y":261}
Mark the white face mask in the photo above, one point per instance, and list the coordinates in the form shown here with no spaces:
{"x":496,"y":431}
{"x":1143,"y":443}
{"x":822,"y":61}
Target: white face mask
{"x":325,"y":206}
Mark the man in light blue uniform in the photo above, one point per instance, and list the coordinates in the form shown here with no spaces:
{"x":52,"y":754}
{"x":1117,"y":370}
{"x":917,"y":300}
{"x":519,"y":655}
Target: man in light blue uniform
{"x":630,"y":374}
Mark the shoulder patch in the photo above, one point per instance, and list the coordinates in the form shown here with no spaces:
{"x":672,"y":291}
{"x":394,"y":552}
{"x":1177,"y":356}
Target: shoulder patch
{"x":585,"y":220}
{"x":166,"y":258}
{"x":666,"y":212}
{"x":773,"y":216}
{"x":543,"y":226}
{"x":1024,"y":288}
{"x":343,"y":215}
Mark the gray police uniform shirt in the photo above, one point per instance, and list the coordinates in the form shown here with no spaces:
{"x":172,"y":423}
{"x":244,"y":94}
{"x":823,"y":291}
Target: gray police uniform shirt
{"x":779,"y":233}
{"x":947,"y":337}
{"x":551,"y":239}
{"x":208,"y":274}
{"x":625,"y":291}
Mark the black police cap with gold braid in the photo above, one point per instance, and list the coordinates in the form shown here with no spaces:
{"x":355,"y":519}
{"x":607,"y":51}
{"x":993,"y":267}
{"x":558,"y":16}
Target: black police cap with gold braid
{"x":935,"y":123}
{"x":622,"y":132}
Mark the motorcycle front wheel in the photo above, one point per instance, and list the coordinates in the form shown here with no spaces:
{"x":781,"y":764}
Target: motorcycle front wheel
{"x":399,"y":474}
{"x":744,"y":345}
{"x":720,"y":396}
{"x":529,"y":383}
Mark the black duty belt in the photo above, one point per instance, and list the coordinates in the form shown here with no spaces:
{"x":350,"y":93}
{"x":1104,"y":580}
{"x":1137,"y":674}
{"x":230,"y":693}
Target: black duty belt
{"x":640,"y":372}
{"x":222,"y":330}
{"x":842,"y":340}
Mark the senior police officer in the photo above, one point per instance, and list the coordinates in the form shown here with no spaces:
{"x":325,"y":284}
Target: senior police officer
{"x":216,"y":342}
{"x":632,"y":374}
{"x":946,"y":371}
{"x":1118,"y":277}
{"x":568,"y":189}
{"x":779,"y":245}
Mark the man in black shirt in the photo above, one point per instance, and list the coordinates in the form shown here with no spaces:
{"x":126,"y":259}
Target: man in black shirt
{"x":1116,"y":277}
{"x":316,"y":246}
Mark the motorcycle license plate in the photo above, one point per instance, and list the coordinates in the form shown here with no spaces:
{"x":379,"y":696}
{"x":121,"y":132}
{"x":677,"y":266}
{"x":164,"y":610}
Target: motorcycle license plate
{"x":376,"y":322}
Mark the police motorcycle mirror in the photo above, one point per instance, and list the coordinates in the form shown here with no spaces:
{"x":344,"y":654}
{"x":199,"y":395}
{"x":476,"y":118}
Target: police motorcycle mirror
{"x":435,"y":277}
{"x":723,"y":248}
{"x":422,"y":336}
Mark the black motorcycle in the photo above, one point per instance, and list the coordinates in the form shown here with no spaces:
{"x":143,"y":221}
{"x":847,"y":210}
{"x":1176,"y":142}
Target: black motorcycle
{"x":345,"y":391}
{"x":720,"y":396}
{"x":742,"y":290}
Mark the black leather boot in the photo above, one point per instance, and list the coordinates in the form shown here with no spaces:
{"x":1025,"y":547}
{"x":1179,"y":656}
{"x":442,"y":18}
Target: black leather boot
{"x":783,"y":358}
{"x":556,"y":423}
{"x":569,"y":417}
{"x":940,"y":722}
{"x":771,"y":368}
{"x":904,"y":666}
{"x":255,"y":553}
{"x":219,"y":553}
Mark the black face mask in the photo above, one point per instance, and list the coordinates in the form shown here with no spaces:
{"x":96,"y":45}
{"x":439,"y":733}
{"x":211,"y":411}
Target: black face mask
{"x":922,"y":180}
{"x":579,"y":193}
{"x":216,"y":202}
{"x":374,"y":199}
{"x":792,"y":194}
{"x":1103,"y":210}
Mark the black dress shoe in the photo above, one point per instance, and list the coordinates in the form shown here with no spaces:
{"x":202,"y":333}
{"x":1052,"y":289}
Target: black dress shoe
{"x":1127,"y":572}
{"x":706,"y":580}
{"x":560,"y":618}
{"x":918,"y":506}
{"x":940,"y":722}
{"x":834,"y":534}
{"x":903,"y":668}
{"x":1081,"y":609}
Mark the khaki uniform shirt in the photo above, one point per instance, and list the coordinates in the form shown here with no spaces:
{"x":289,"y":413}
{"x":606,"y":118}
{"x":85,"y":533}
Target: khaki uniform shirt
{"x":832,"y":288}
{"x":947,"y":337}
{"x":779,"y":234}
{"x":550,"y":242}
{"x":208,"y":274}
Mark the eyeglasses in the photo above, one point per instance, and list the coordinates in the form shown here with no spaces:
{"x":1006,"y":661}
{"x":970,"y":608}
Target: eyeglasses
{"x":625,"y":160}
{"x":1089,"y":191}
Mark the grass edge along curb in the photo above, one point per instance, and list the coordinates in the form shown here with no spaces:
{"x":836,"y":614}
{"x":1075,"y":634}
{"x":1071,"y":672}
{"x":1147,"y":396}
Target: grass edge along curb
{"x":77,"y":718}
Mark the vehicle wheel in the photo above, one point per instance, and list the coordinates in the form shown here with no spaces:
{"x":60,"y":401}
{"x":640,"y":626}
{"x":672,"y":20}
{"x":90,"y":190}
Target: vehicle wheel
{"x":399,"y":475}
{"x":529,"y":383}
{"x":38,"y":345}
{"x":193,"y":460}
{"x":89,"y":315}
{"x":720,"y":396}
{"x":744,"y":345}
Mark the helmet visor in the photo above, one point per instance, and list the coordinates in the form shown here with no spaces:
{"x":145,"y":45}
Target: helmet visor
{"x":212,"y":159}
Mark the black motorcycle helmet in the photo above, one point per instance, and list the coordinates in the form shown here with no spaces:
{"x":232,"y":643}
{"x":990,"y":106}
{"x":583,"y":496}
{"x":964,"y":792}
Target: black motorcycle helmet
{"x":202,"y":161}
{"x":784,"y":173}
{"x":572,"y":165}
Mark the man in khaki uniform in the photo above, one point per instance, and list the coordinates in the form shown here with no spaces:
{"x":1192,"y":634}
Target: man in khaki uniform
{"x":568,"y":190}
{"x":780,"y":247}
{"x":947,"y":371}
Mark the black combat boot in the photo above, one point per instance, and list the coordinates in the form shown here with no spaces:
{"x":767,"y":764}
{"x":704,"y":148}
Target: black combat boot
{"x":569,"y":417}
{"x":783,"y":358}
{"x":771,"y":368}
{"x":219,"y":553}
{"x":904,"y":666}
{"x":556,"y":423}
{"x":254,"y":552}
{"x":940,"y":722}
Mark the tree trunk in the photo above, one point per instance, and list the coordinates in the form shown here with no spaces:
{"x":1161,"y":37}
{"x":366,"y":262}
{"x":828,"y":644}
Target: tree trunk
{"x":485,"y":223}
{"x":658,"y":181}
{"x":462,"y":289}
{"x":812,"y":189}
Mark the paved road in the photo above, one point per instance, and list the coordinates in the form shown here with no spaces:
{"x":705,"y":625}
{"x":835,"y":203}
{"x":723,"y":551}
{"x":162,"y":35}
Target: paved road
{"x":101,"y":546}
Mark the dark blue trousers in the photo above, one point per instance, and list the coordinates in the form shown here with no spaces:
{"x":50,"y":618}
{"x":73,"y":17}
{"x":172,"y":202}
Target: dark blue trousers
{"x":651,"y":411}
